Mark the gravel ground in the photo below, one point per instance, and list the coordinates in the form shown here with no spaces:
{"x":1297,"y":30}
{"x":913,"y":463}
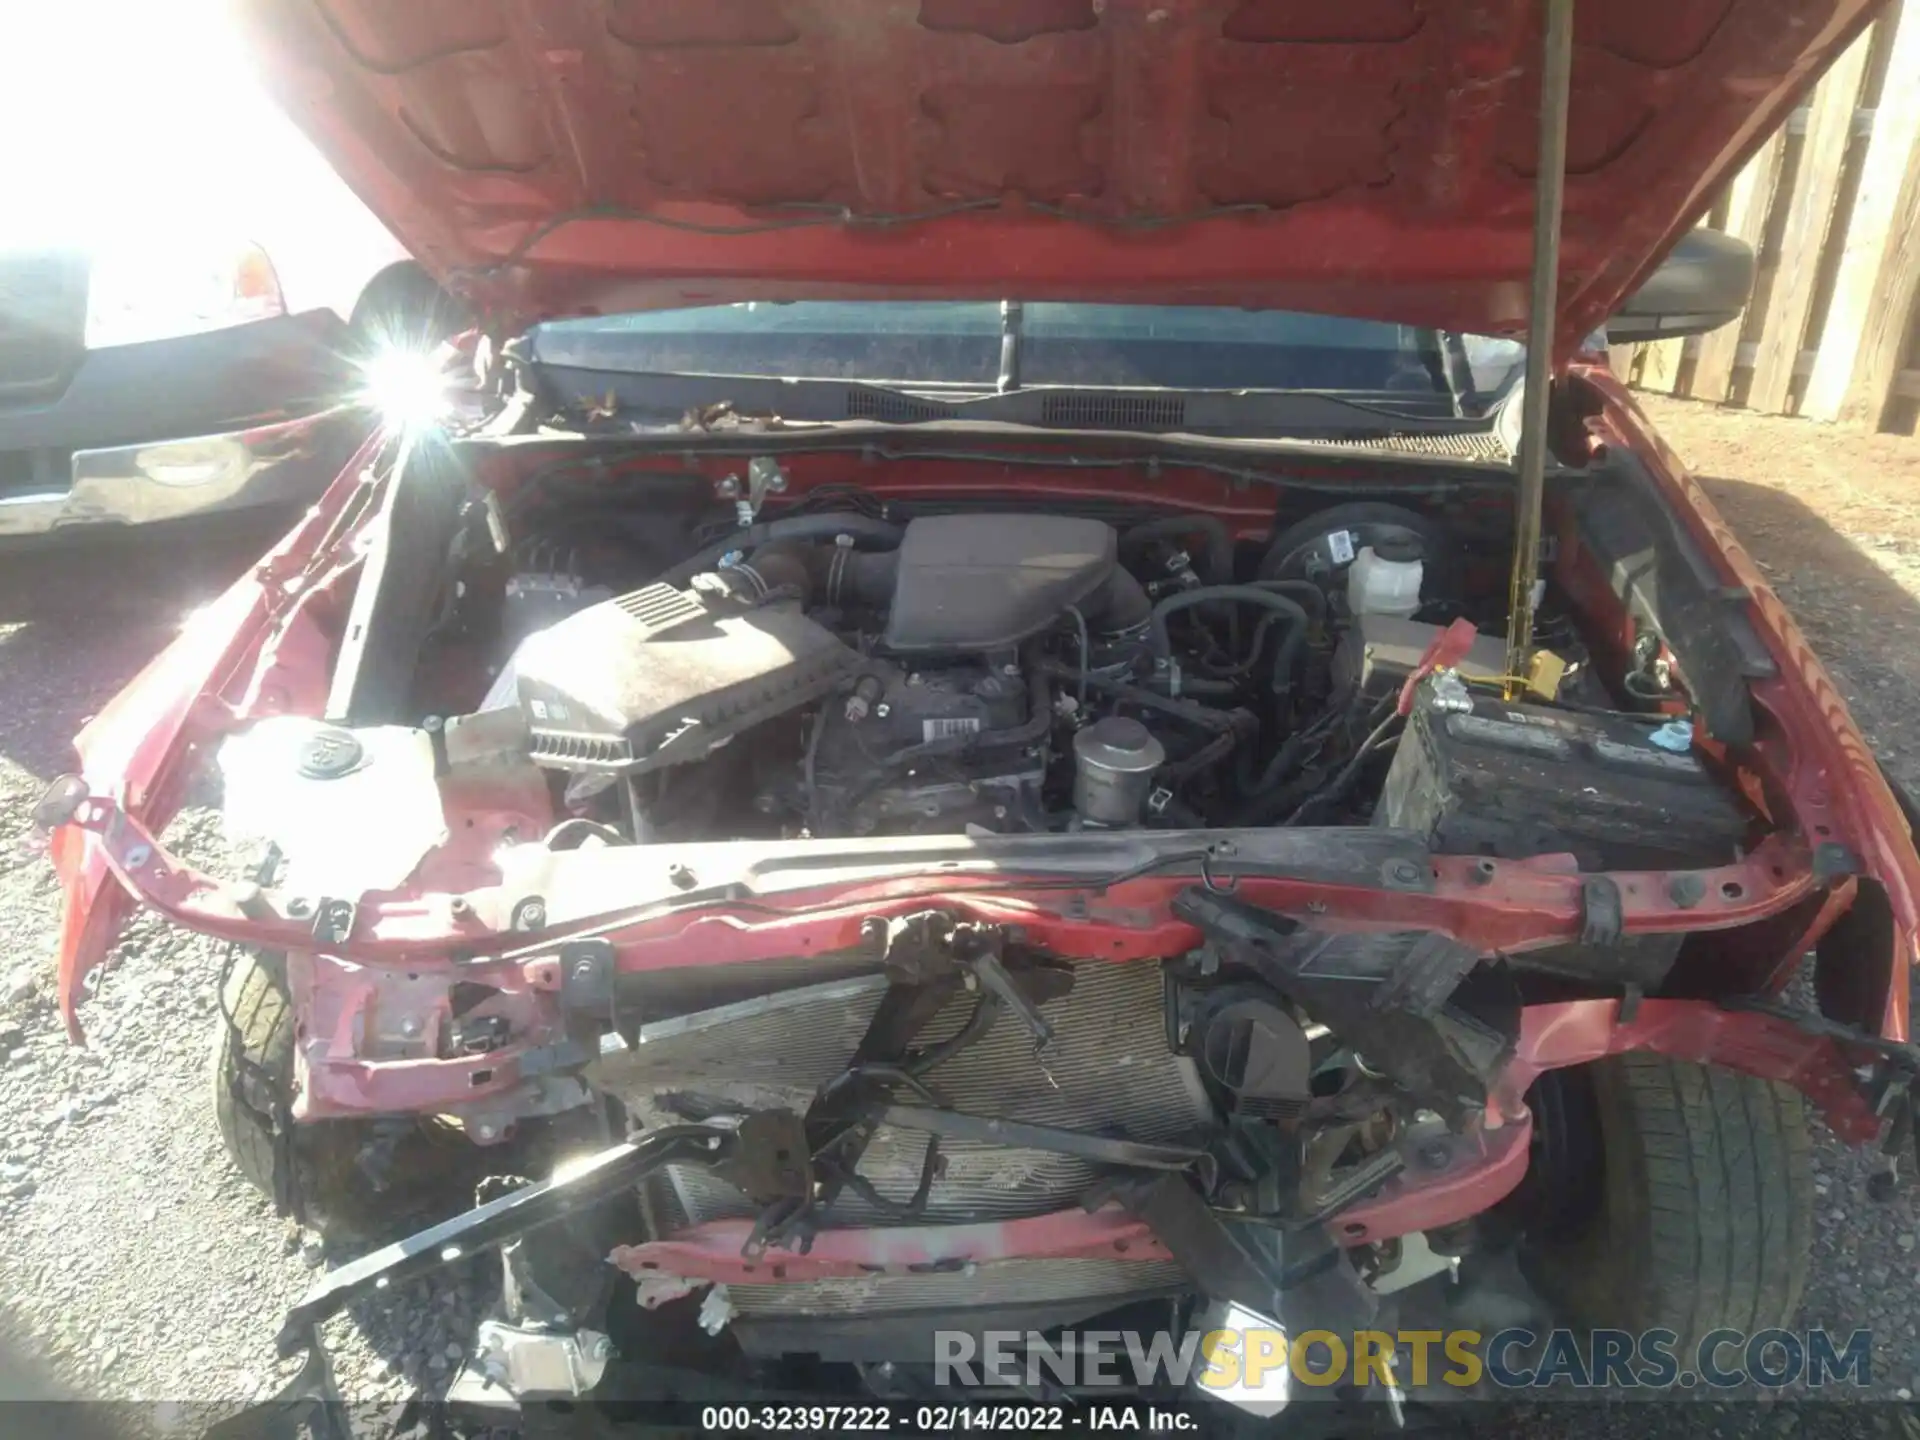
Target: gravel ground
{"x":136,"y":1266}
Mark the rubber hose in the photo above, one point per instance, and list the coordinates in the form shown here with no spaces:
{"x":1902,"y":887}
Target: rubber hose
{"x":1205,"y":716}
{"x":1312,"y":596}
{"x":1239,"y":594}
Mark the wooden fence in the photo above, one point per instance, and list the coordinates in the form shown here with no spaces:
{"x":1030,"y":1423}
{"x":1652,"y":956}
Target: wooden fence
{"x":1831,"y":204}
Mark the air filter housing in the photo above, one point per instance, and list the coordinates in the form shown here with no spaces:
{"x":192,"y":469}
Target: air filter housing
{"x":657,"y":678}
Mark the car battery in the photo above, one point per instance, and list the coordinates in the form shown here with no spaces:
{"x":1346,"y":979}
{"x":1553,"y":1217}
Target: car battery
{"x":1514,"y":780}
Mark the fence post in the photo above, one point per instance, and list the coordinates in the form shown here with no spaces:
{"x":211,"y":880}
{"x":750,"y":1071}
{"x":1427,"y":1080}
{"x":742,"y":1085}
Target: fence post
{"x":1747,"y":211}
{"x":1859,"y":347}
{"x":1816,"y":186}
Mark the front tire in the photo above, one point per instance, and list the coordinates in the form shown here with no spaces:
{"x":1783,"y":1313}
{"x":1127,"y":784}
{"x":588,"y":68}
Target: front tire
{"x":1699,"y":1210}
{"x":308,"y":1171}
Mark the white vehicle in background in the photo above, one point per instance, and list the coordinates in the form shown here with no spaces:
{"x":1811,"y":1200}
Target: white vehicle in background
{"x":187,"y":294}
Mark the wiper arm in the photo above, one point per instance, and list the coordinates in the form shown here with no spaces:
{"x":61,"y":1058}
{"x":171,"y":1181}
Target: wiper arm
{"x":1457,"y":370}
{"x":1013,"y":316}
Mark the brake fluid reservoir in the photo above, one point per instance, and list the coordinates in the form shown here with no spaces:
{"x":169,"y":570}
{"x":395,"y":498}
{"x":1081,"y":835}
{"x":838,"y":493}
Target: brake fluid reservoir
{"x":1384,"y":583}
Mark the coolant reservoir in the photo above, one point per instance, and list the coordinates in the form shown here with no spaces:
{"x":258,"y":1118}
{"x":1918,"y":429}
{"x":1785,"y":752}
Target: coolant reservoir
{"x":1384,"y":581}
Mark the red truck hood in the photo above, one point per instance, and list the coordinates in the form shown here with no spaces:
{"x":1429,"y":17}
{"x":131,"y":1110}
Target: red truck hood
{"x":1364,"y":157}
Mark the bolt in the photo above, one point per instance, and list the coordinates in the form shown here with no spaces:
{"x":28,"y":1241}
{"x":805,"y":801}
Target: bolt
{"x":460,"y":907}
{"x":483,"y":1132}
{"x":602,"y":1348}
{"x":1009,"y":669}
{"x":1436,"y":1155}
{"x":530,"y":913}
{"x":999,"y":812}
{"x":1686,"y":890}
{"x":681,"y":877}
{"x":728,"y":487}
{"x":410,"y":1026}
{"x":138,"y":855}
{"x":1404,"y":872}
{"x":299,"y":908}
{"x":883,"y":710}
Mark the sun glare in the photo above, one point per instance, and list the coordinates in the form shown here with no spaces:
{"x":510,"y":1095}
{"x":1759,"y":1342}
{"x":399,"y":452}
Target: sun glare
{"x":409,"y":388}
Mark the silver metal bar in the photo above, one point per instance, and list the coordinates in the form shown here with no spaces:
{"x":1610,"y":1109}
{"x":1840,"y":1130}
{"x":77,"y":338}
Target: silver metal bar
{"x":1549,"y":188}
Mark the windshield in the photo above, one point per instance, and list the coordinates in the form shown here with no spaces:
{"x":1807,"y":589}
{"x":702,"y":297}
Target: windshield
{"x":961,"y":343}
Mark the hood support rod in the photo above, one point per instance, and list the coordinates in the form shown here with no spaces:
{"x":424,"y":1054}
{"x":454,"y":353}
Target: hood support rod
{"x":1549,"y":190}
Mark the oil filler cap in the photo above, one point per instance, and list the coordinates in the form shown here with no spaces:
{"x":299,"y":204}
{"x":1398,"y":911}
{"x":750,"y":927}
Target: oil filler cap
{"x":330,"y":752}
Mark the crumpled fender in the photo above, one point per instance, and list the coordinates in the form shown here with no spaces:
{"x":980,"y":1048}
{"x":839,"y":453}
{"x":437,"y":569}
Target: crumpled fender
{"x":133,"y":750}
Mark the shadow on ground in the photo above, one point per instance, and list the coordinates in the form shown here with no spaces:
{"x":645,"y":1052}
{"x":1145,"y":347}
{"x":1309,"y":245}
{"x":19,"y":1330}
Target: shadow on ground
{"x":1847,"y":593}
{"x":80,"y":617}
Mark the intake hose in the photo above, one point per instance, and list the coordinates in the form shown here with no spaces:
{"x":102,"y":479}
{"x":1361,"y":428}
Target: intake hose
{"x":815,"y":573}
{"x":865,"y":530}
{"x":1236,"y":594}
{"x":1216,"y":553}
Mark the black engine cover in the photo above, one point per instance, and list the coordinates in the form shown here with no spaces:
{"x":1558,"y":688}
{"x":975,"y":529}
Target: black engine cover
{"x":970,"y":583}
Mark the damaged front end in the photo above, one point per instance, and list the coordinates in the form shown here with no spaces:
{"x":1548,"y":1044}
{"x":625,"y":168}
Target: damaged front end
{"x":905,"y":932}
{"x":862,"y":1097}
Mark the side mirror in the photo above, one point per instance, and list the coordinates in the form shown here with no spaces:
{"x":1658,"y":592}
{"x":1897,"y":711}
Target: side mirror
{"x":1704,"y":283}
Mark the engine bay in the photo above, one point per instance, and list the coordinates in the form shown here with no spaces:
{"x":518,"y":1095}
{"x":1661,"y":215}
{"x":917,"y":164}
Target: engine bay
{"x":927,"y":668}
{"x":730,"y":700}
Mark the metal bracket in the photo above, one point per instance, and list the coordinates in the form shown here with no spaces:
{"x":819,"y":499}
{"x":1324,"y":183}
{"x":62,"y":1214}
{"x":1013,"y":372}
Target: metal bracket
{"x":931,"y":944}
{"x":771,"y":1161}
{"x":764,"y":478}
{"x":1603,"y":913}
{"x":586,"y":977}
